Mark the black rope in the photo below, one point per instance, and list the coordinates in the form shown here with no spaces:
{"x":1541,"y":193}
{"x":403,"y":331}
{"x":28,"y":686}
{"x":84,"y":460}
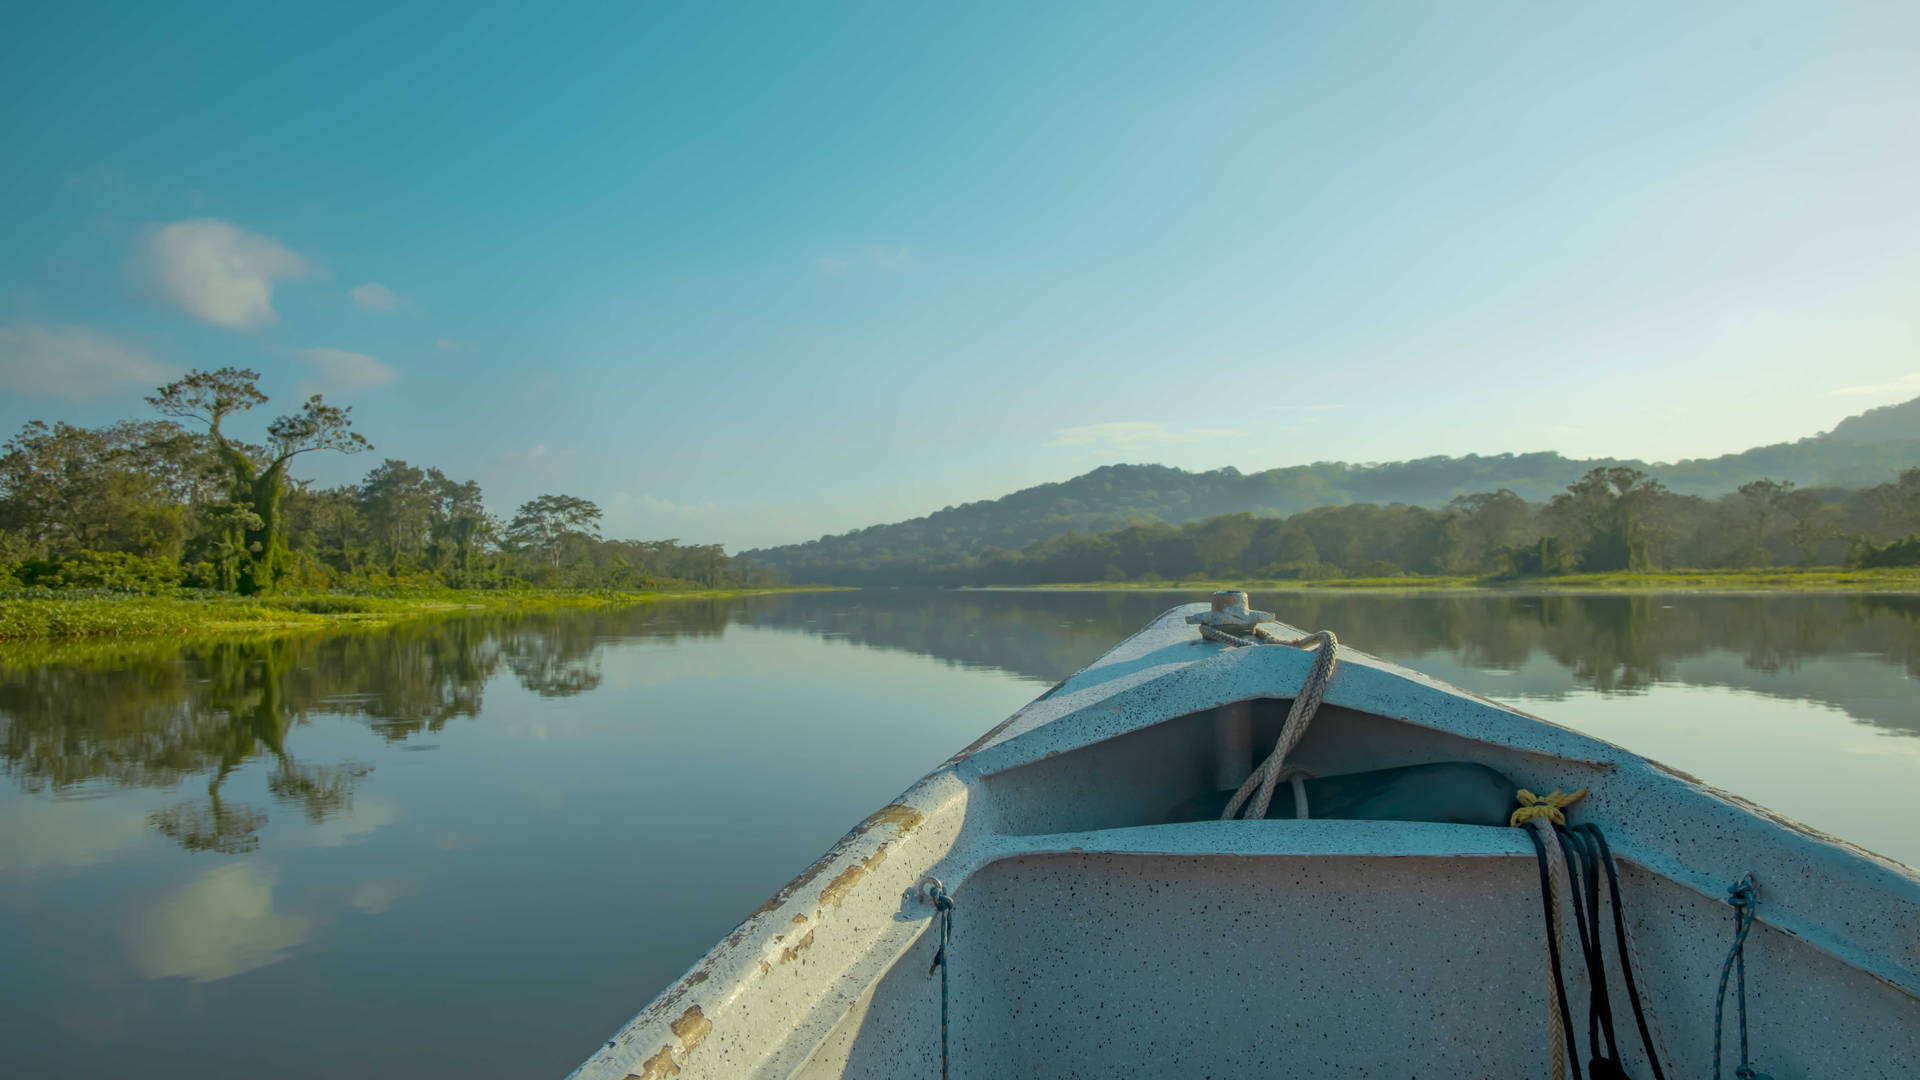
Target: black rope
{"x":1553,"y":951}
{"x":1584,"y":882}
{"x":943,"y":905}
{"x":1588,"y":855}
{"x":1592,"y":833}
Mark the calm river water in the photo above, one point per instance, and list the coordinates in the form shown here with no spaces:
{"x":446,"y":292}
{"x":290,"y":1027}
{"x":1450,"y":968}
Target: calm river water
{"x":472,"y":848}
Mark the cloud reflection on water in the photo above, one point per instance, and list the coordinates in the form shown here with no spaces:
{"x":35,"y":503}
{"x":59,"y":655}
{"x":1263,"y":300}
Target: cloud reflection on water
{"x":217,"y":925}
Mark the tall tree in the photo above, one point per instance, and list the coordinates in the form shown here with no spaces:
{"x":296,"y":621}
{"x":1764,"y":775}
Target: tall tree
{"x":398,"y":502}
{"x":461,"y":525}
{"x":1807,"y":531}
{"x":545,"y":524}
{"x":1608,"y":509}
{"x":1479,"y":527}
{"x":257,"y":476}
{"x":1764,"y":500}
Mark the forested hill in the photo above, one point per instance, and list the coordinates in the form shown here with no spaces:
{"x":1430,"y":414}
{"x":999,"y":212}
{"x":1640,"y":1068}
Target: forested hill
{"x":1861,"y":451}
{"x":1889,"y":423}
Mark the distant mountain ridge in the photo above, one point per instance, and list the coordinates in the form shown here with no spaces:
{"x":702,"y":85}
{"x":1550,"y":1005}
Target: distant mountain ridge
{"x":1860,"y":451}
{"x":1888,"y":423}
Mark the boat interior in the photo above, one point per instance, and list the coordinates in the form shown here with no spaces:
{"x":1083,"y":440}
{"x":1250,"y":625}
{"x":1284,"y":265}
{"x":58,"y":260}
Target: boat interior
{"x":1109,"y":939}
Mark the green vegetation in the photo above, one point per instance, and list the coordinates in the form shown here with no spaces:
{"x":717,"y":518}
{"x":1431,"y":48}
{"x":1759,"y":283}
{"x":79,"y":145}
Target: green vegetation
{"x":246,"y":534}
{"x":1808,"y":502}
{"x":44,"y":614}
{"x":156,"y":509}
{"x":148,"y":527}
{"x":1613,"y":520}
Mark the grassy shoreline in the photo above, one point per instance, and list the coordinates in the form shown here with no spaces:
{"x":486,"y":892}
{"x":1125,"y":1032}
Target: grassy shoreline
{"x":1814,"y":579}
{"x":27,"y":618}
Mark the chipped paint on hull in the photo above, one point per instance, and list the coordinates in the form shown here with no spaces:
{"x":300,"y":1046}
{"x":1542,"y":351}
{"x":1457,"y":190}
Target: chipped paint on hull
{"x":690,"y":1029}
{"x":658,"y":1067}
{"x":837,"y":889}
{"x":791,"y":953}
{"x":902,"y":817}
{"x":899,"y":815}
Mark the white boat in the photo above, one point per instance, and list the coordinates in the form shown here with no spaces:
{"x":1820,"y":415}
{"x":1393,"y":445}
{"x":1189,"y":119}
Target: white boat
{"x":1099,"y":929}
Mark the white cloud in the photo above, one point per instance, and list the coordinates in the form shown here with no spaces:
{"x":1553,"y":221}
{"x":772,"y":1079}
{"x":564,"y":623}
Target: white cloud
{"x":216,"y":926}
{"x":374,"y":296}
{"x":217,"y":272}
{"x":1131,"y":436}
{"x":339,"y":371}
{"x":72,"y":362}
{"x":1905,"y":384}
{"x":881,"y":257}
{"x":446,"y":345}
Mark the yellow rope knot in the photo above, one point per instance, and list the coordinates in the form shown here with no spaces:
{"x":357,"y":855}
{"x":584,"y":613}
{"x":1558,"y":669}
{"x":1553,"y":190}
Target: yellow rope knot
{"x":1544,"y":806}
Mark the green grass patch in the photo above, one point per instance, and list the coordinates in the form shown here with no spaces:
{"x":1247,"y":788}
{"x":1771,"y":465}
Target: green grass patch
{"x":34,"y":615}
{"x":1905,"y":579}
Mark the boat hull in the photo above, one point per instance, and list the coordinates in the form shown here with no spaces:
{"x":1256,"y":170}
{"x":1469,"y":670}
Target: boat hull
{"x":1090,"y":935}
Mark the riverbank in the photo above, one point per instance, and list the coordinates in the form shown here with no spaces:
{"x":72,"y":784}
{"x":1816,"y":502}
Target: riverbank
{"x":25,"y":617}
{"x":1813,"y":579}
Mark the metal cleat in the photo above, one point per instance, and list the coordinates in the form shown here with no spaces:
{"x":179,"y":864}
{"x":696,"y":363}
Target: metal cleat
{"x":1230,"y":612}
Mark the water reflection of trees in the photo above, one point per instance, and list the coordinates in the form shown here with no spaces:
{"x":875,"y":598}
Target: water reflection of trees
{"x":154,"y":716}
{"x":1612,"y":644}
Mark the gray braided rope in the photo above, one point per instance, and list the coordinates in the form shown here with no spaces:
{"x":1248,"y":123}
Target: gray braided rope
{"x":1259,"y":787}
{"x":1557,"y":883}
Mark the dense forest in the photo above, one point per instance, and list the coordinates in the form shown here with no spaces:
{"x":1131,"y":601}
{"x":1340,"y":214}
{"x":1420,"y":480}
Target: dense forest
{"x":183,"y":500}
{"x":1822,"y":500}
{"x":180,"y":499}
{"x":1612,"y":519}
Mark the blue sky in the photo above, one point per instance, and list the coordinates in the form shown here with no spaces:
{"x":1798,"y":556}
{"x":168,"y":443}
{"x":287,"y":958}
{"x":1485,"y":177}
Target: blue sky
{"x":751,"y":273}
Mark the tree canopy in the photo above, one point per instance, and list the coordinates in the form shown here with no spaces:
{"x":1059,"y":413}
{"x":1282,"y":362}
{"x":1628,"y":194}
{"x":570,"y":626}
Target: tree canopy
{"x":1608,"y":519}
{"x":185,"y":500}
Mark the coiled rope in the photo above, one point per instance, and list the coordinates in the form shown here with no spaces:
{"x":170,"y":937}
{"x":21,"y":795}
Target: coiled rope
{"x":1259,"y":635}
{"x":1548,"y":807}
{"x":1256,"y":792}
